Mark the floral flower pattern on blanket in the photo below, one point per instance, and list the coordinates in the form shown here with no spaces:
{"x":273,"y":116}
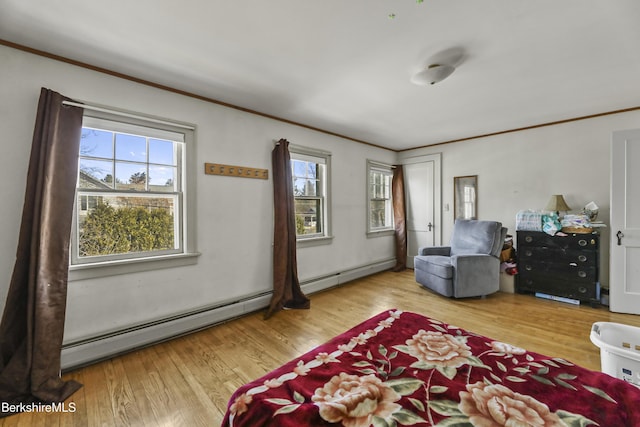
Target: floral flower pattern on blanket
{"x":406,"y":369}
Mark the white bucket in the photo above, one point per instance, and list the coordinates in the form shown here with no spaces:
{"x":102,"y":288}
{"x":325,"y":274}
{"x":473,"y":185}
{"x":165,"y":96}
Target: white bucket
{"x":619,"y":350}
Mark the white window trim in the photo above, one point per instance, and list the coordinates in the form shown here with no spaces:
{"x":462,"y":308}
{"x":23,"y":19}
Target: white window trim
{"x":296,"y":151}
{"x":189,"y":253}
{"x":375,"y":165}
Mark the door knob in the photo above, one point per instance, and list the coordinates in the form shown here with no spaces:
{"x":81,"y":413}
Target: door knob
{"x":619,"y":235}
{"x":430,"y":226}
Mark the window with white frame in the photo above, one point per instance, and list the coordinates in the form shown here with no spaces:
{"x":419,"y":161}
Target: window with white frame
{"x":310,"y":172}
{"x":380,"y":208}
{"x":131,"y":191}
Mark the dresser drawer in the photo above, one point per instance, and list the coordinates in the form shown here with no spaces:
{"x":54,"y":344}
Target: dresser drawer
{"x":563,"y":288}
{"x":552,"y":272}
{"x":570,"y":257}
{"x":571,"y":241}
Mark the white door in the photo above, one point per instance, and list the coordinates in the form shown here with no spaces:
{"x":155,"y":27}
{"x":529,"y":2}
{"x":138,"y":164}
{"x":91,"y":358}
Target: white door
{"x":422,"y":193}
{"x":624,"y":286}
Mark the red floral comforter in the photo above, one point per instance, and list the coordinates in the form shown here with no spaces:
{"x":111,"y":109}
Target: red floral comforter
{"x":400,"y":368}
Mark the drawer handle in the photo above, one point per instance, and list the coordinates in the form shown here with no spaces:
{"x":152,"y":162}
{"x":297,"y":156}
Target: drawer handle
{"x":582,"y":274}
{"x":582,"y":242}
{"x":582,"y":290}
{"x":528,"y":253}
{"x":528,"y":267}
{"x":582,"y":258}
{"x":528,"y":239}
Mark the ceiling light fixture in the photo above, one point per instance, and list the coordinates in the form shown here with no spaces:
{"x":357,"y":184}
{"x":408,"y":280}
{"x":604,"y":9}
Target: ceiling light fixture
{"x":433,"y":74}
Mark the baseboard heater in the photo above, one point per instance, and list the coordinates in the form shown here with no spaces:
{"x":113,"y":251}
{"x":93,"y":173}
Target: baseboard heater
{"x":91,"y":350}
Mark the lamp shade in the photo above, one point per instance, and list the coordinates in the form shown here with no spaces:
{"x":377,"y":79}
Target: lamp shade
{"x":557,"y":204}
{"x":433,"y":74}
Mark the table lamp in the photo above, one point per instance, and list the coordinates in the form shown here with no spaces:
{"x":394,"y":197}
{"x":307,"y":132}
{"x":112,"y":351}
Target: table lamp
{"x":557,"y":204}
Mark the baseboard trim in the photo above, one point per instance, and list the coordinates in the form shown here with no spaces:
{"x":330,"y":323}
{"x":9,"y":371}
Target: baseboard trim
{"x":103,"y":347}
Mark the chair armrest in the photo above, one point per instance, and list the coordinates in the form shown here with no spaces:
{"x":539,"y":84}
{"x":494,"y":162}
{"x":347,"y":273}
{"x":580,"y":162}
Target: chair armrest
{"x":475,"y":275}
{"x":435,"y":250}
{"x":475,"y":265}
{"x":477,"y":260}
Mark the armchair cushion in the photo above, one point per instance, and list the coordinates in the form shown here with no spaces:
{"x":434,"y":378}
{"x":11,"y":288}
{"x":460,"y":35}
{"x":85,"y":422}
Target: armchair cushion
{"x":476,"y":237}
{"x":436,"y":271}
{"x":435,"y":264}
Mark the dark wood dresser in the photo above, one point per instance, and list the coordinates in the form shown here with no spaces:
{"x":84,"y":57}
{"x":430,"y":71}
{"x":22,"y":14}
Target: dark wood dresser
{"x":563,"y":266}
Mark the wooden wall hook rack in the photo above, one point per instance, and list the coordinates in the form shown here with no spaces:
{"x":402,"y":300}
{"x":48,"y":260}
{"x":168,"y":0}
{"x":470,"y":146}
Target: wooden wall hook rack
{"x":232,"y":170}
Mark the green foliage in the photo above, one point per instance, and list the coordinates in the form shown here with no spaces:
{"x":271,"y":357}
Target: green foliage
{"x":299,"y":225}
{"x":138,"y":178}
{"x":107,"y":230}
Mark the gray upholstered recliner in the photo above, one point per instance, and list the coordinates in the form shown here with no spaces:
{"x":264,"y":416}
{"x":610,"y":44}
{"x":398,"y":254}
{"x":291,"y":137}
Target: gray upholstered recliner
{"x":469,"y":267}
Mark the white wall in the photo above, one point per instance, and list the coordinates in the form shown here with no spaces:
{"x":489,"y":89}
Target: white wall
{"x":234,"y":215}
{"x":521,"y":170}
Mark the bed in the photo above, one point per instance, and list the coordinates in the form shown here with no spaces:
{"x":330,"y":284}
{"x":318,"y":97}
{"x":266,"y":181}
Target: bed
{"x":401,"y":368}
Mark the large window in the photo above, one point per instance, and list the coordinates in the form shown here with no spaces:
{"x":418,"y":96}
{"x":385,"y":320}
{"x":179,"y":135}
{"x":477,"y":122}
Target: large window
{"x":310,"y":170}
{"x":380,"y":208}
{"x":131,"y":192}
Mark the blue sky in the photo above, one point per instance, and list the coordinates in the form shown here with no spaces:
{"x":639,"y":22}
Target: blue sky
{"x":102,"y":152}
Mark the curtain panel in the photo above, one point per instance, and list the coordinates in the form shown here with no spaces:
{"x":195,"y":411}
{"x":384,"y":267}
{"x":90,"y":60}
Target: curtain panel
{"x":286,"y":286}
{"x":32,"y":326}
{"x":399,"y":217}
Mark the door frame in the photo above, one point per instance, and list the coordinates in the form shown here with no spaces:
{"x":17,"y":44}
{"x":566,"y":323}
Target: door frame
{"x":436,"y":158}
{"x":623,"y":257}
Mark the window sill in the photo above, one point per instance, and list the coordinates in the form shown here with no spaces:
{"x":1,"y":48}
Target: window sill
{"x":314,"y":241}
{"x":113,"y":268}
{"x":379,"y":233}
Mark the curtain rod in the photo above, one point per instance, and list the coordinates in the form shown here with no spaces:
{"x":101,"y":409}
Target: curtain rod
{"x":129,"y":115}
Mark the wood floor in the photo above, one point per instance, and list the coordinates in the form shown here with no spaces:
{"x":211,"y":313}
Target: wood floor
{"x":188,"y":381}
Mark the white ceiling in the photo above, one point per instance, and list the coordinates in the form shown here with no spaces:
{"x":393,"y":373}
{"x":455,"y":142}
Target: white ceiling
{"x":344,"y":65}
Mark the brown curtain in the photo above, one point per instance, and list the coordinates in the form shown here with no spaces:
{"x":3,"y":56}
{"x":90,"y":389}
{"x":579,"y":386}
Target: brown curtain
{"x":399,"y":217}
{"x":286,"y":287}
{"x":32,"y":324}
